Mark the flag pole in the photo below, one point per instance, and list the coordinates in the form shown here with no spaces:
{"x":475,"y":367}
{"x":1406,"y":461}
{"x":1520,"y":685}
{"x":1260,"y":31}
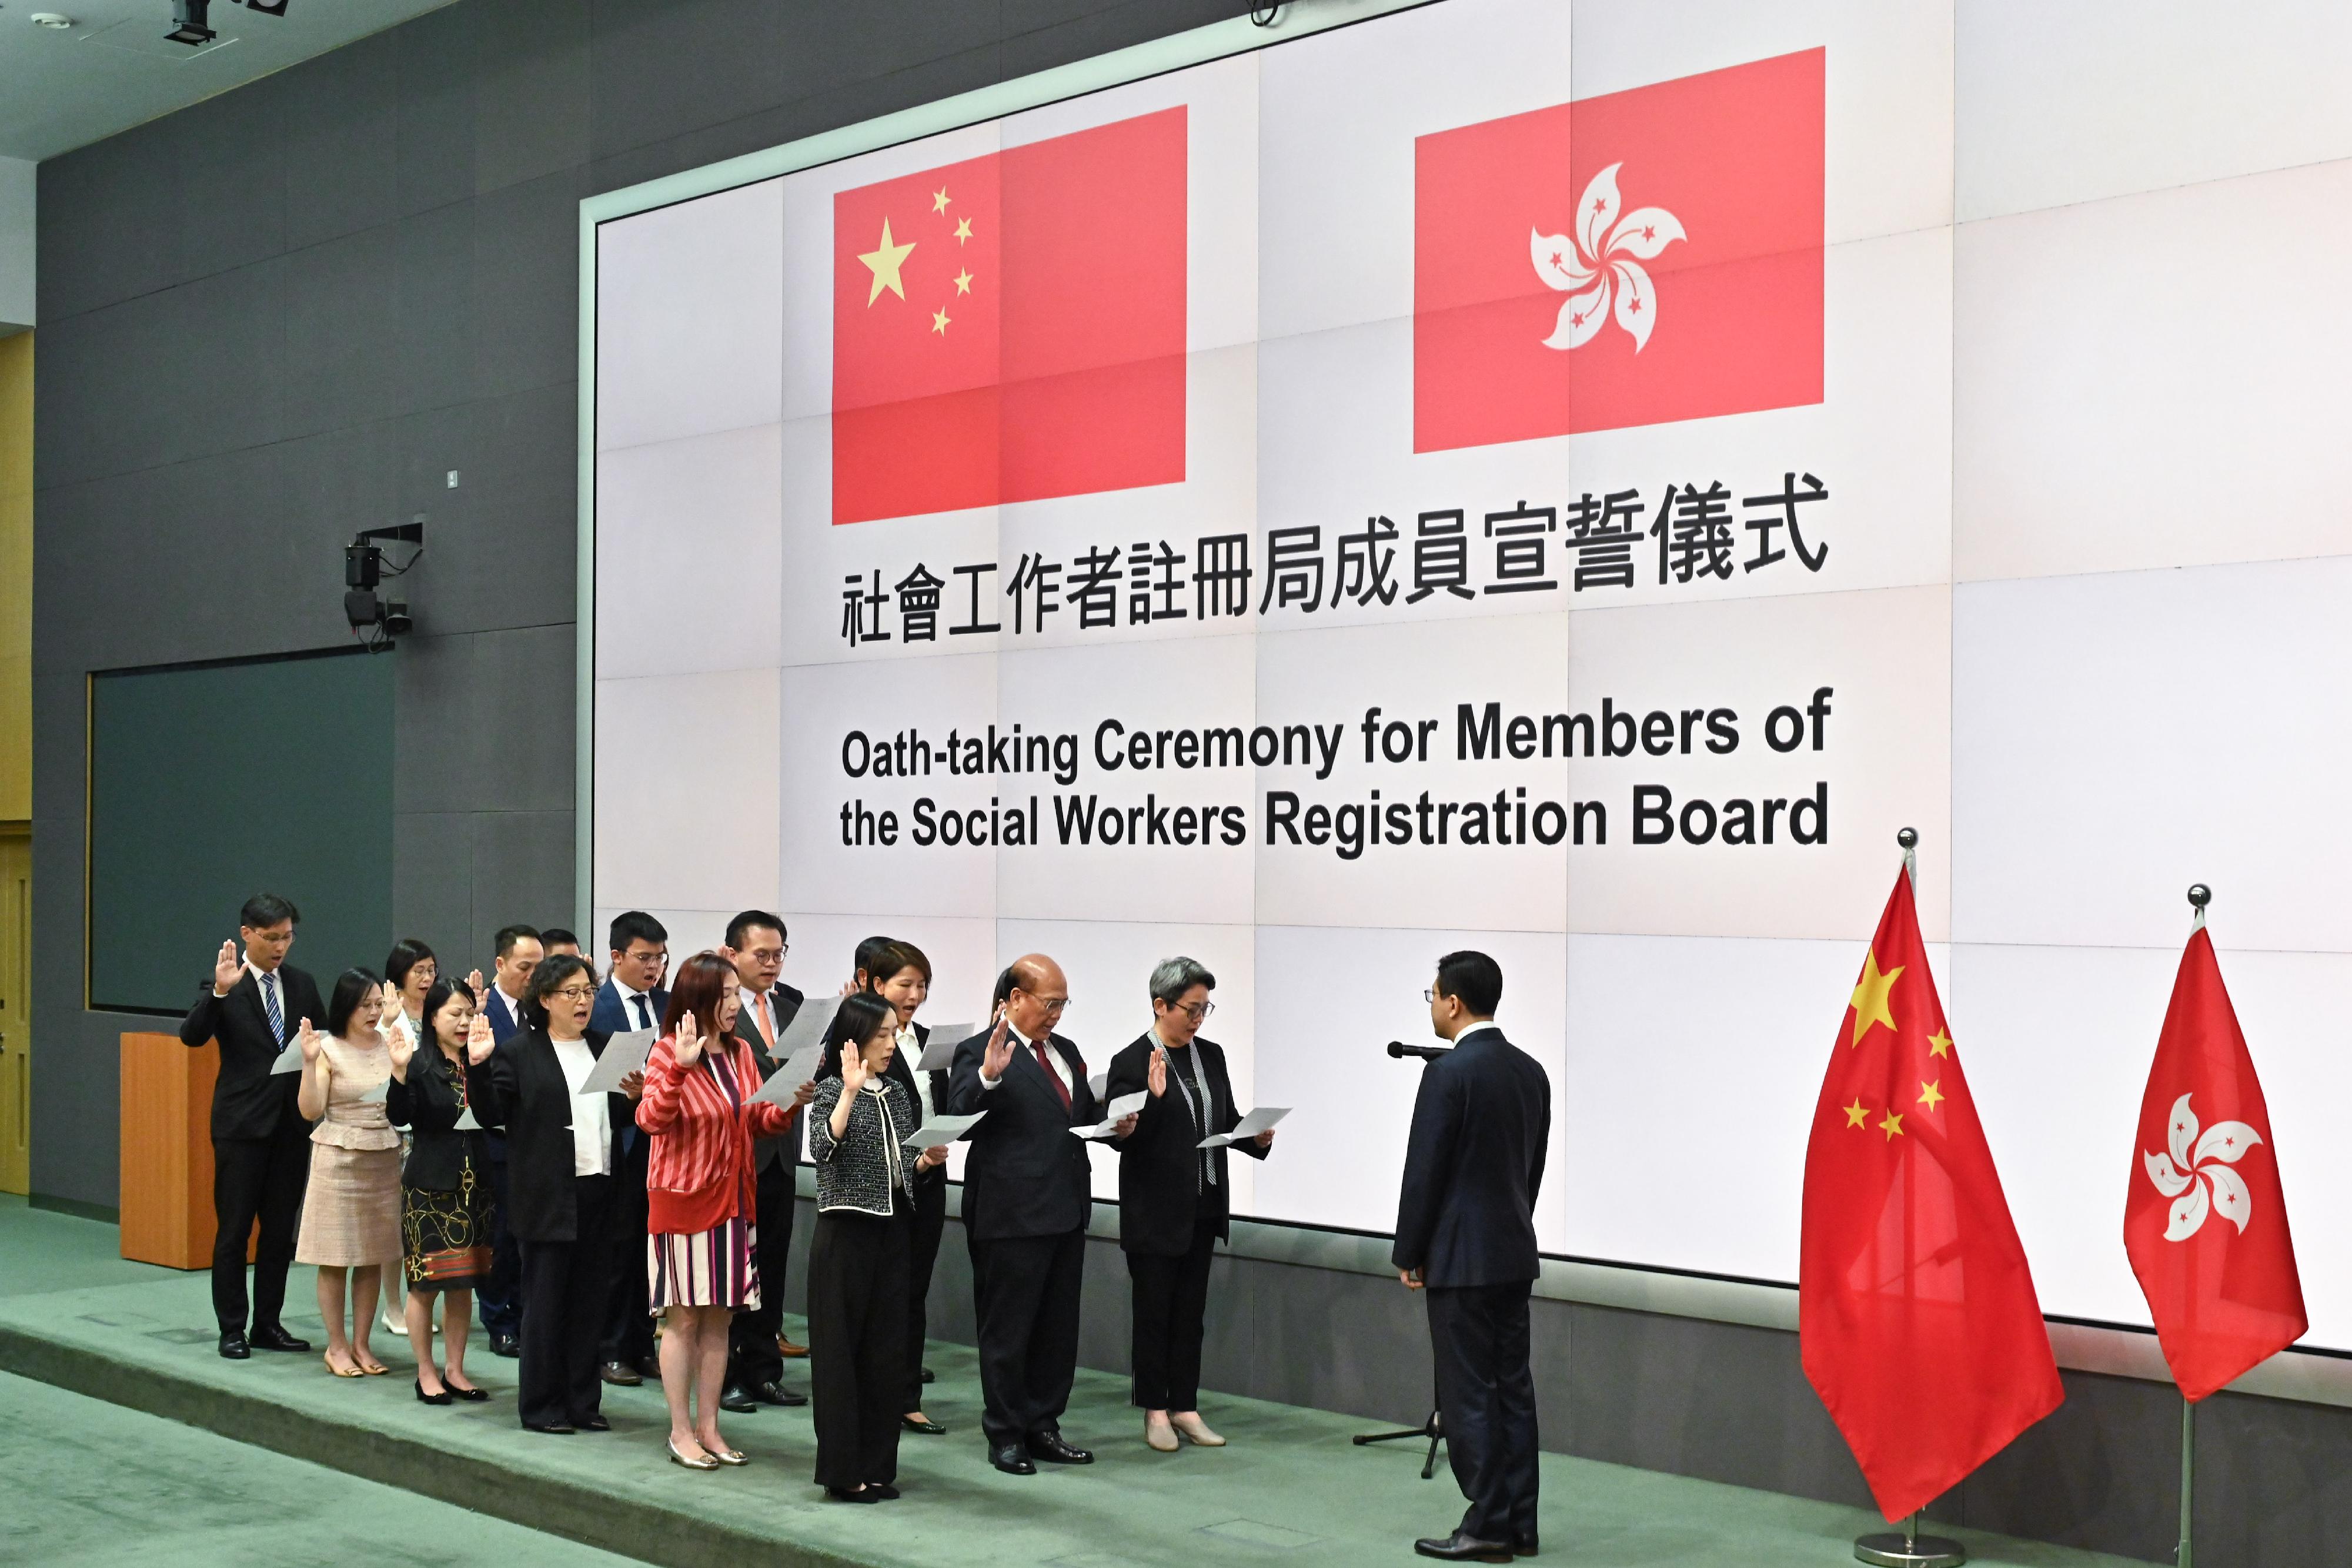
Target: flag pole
{"x":2199,"y":895}
{"x":1885,"y":1548}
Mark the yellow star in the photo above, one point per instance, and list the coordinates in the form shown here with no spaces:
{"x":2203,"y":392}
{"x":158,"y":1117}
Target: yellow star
{"x":939,"y":322}
{"x":963,"y":230}
{"x":964,"y":283}
{"x":1939,"y":1043}
{"x":939,"y":200}
{"x":1930,"y":1096}
{"x":1854,"y":1114}
{"x":1891,"y":1126}
{"x":885,"y":263}
{"x":1869,"y":1002}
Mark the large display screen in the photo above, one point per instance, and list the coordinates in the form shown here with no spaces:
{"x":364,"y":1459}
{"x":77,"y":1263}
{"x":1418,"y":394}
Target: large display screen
{"x":1570,"y":479}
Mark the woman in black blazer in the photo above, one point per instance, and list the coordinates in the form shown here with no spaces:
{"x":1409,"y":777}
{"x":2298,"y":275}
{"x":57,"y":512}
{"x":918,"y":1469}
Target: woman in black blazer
{"x":1174,"y":1200}
{"x":900,"y":975}
{"x":560,"y":1165}
{"x":446,"y":1219}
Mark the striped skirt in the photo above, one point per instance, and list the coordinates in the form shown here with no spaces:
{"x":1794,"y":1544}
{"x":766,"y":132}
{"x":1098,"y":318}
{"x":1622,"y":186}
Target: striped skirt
{"x":713,"y":1268}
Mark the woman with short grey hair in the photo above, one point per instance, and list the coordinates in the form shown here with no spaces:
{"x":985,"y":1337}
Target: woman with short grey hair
{"x":1174,"y":1197}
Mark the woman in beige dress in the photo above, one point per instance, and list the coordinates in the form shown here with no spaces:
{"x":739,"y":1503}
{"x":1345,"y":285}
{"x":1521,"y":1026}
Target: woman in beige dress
{"x":350,"y":1211}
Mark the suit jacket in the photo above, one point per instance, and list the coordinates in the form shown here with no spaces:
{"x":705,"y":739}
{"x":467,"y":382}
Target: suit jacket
{"x":505,"y":1024}
{"x":1158,"y":1163}
{"x":784,"y":1001}
{"x":427,"y":1105}
{"x":1025,"y":1175}
{"x":903,"y":1072}
{"x":1480,"y":1126}
{"x":612,"y":1016}
{"x":521,"y":1089}
{"x":248,"y":1100}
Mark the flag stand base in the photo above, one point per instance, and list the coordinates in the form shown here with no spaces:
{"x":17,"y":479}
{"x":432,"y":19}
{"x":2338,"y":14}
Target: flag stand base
{"x":1909,"y":1549}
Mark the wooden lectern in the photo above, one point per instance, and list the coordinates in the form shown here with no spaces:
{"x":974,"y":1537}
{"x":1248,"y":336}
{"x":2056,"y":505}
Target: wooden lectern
{"x":167,"y":1151}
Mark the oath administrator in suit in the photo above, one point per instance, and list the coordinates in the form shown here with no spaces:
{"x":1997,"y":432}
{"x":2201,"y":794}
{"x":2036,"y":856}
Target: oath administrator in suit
{"x":261,"y":1145}
{"x":1026,"y":1199}
{"x":1174,"y":1202}
{"x":1466,"y":1231}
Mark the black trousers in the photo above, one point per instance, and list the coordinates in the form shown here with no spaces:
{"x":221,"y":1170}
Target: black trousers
{"x":1026,"y":1290}
{"x":497,"y":1303}
{"x":628,"y":1323}
{"x":565,"y":1286}
{"x":924,"y":1228}
{"x":1170,"y":1301}
{"x":858,"y":1338}
{"x":1487,"y":1400}
{"x":752,"y":1358}
{"x":257,"y":1179}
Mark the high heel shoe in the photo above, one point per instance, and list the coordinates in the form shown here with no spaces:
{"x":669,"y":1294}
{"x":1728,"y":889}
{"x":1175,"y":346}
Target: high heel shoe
{"x":706,"y":1462}
{"x":843,"y":1494}
{"x":444,"y":1397}
{"x":338,"y":1371}
{"x":470,"y":1395}
{"x":1195,"y":1431}
{"x":1160,"y":1436}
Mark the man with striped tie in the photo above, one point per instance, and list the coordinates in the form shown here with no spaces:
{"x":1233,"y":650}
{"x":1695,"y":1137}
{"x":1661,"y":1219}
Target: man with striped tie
{"x":632,"y":998}
{"x":261,"y":1145}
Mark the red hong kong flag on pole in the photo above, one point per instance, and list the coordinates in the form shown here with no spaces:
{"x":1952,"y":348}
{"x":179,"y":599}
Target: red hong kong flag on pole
{"x":1012,"y":327}
{"x":1639,"y":257}
{"x":2206,"y":1221}
{"x":1919,"y":1325}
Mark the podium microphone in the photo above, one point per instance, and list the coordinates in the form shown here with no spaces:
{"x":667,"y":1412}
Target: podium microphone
{"x":1399,"y":1049}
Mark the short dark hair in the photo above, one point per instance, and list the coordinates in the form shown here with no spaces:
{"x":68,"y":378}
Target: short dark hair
{"x":740,"y":926}
{"x":445,"y":988}
{"x":351,"y":988}
{"x":1003,"y":991}
{"x":407,"y":954}
{"x":872,"y":953}
{"x":556,"y":936}
{"x":264,"y":910}
{"x":853,"y":1023}
{"x":898,"y":955}
{"x":551,"y":975}
{"x":1473,"y":979}
{"x":504,"y":942}
{"x":636,"y":925}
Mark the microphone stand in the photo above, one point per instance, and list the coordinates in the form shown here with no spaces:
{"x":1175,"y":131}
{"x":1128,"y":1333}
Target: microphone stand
{"x":1432,"y":1429}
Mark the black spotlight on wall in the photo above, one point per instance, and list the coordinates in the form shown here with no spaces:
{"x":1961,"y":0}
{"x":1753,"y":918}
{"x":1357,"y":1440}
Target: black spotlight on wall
{"x":378,"y":621}
{"x":188,"y":19}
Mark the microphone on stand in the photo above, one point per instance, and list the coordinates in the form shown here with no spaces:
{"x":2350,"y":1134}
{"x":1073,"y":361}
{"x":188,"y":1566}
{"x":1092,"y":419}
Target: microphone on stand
{"x":1399,"y":1049}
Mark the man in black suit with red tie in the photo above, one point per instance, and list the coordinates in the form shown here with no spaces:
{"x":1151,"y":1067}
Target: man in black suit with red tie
{"x":261,"y":1144}
{"x":1465,"y":1232}
{"x":1026,"y":1199}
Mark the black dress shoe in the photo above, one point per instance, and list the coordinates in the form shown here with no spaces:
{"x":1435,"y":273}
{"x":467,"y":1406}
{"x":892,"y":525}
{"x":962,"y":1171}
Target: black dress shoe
{"x":232,"y":1346}
{"x":843,"y":1494}
{"x":739,"y":1399}
{"x":552,"y":1428}
{"x":777,"y":1393}
{"x":882,"y":1489}
{"x":595,"y":1423}
{"x":470,"y":1395}
{"x":505,"y":1345}
{"x":929,"y":1376}
{"x":444,"y":1397}
{"x":649,"y":1366}
{"x":619,"y":1374}
{"x":1524,"y":1546}
{"x":923,"y":1423}
{"x":1010,"y":1459}
{"x":1049,"y":1446}
{"x":272,"y":1337}
{"x":1463,"y":1547}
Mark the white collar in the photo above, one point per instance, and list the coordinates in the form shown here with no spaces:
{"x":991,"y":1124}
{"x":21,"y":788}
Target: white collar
{"x":1473,"y":1029}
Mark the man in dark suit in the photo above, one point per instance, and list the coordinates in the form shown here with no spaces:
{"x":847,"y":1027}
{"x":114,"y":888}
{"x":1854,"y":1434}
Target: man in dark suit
{"x":756,"y":947}
{"x":516,"y":951}
{"x":1027,"y":1200}
{"x":1466,"y":1231}
{"x":632,"y":998}
{"x":261,"y":1144}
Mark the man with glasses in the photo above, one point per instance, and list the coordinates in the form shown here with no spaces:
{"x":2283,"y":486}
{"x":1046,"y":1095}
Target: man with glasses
{"x":755,"y":1356}
{"x":1027,"y":1200}
{"x":632,"y":998}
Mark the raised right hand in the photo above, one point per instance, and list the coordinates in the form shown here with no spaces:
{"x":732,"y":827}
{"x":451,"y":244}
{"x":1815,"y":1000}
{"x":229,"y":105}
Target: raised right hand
{"x":311,"y":1042}
{"x":999,"y":1054}
{"x":1156,"y":1079}
{"x":474,"y":984}
{"x":687,"y":1045}
{"x":480,"y":1040}
{"x":402,"y":1045}
{"x":853,"y":1069}
{"x":227,"y":969}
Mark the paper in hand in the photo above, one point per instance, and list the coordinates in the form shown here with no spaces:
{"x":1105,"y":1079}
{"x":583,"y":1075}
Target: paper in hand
{"x":377,"y":1095}
{"x":1249,"y":1126}
{"x":943,"y":1130}
{"x":1116,"y":1111}
{"x":797,"y":1069}
{"x":939,"y":1054}
{"x":807,"y":1028}
{"x":465,"y":1122}
{"x":623,"y":1054}
{"x":288,"y":1060}
{"x":1099,"y":1082}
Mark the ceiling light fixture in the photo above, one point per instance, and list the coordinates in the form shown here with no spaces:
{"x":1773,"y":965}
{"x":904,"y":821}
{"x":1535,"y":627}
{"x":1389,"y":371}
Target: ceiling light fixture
{"x":189,"y":18}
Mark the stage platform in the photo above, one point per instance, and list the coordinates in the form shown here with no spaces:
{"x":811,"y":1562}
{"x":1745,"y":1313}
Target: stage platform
{"x":1290,"y":1490}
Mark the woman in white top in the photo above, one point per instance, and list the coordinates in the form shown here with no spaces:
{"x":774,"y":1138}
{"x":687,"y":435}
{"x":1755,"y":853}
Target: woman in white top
{"x":408,"y":974}
{"x":351,"y":1210}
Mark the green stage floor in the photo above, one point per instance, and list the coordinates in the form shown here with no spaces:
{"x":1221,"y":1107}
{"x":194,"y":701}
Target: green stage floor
{"x":1291,"y":1490}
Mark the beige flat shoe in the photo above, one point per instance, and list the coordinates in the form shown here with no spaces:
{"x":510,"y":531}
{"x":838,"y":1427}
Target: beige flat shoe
{"x":1159,"y":1435}
{"x":1193,"y":1431}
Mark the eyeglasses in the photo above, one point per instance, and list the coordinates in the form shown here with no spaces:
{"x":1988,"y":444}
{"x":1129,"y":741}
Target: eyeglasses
{"x":1051,"y":1004}
{"x":575,"y":993}
{"x":1429,"y":993}
{"x":1197,"y":1012}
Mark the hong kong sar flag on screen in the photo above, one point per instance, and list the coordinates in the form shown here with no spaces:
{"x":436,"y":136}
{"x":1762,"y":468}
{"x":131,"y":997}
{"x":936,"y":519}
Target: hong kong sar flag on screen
{"x":1634,"y":258}
{"x":1010,"y":328}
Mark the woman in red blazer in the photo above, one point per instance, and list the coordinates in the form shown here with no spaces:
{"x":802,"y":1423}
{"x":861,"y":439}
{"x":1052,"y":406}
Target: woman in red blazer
{"x":700,"y":1260}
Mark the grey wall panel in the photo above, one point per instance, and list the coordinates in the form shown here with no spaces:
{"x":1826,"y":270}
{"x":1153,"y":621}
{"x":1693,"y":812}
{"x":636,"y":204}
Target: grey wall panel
{"x":441,"y":756}
{"x":433,"y":886}
{"x":530,"y":99}
{"x":343,"y":314}
{"x":342,"y":151}
{"x":527,"y":284}
{"x":656,"y":72}
{"x":522,"y":874}
{"x":434,"y":359}
{"x":438,"y":79}
{"x":523,"y":700}
{"x":108,"y":225}
{"x":1041,"y":33}
{"x":229,"y":153}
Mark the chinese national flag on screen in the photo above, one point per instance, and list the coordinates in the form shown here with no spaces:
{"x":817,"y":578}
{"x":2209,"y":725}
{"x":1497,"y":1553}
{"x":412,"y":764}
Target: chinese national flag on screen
{"x":1639,"y":257}
{"x":1012,"y":327}
{"x":1919,"y":1325}
{"x":2206,"y":1222}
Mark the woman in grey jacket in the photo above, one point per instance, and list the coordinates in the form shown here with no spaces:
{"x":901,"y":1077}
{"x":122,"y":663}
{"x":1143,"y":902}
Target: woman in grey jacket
{"x":859,"y":1124}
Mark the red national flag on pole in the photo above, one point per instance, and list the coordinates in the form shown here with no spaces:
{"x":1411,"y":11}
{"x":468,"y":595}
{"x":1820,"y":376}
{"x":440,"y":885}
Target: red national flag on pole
{"x":1011,"y":328}
{"x":1919,"y":1325}
{"x":1638,"y":258}
{"x":2206,"y":1221}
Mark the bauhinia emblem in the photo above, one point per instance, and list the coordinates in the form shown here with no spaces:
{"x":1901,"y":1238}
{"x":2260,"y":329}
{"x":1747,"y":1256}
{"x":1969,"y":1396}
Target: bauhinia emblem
{"x":1603,"y":264}
{"x":2196,"y":1164}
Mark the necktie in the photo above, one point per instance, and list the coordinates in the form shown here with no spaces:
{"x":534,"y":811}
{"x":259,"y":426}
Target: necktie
{"x":645,"y":1018}
{"x":270,"y":1005}
{"x":1051,"y":1077}
{"x":767,"y":1023}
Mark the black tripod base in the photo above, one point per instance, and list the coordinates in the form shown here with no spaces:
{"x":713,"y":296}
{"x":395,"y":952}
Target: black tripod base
{"x":1429,"y":1429}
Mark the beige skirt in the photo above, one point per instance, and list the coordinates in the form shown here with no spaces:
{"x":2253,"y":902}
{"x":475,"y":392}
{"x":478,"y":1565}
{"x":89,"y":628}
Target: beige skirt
{"x":350,"y":1211}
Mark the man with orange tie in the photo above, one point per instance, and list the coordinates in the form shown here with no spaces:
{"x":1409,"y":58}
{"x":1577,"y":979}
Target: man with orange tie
{"x":756,"y":947}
